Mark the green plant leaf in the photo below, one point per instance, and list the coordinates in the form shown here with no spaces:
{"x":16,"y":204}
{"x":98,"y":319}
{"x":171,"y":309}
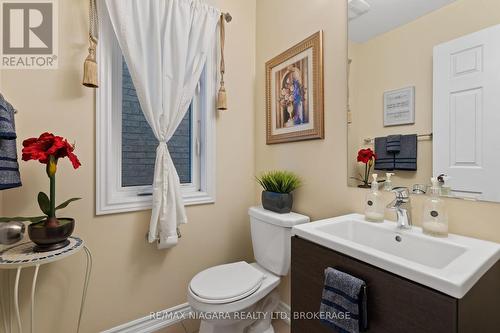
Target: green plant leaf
{"x":44,"y":203}
{"x":32,"y":219}
{"x":66,"y":203}
{"x":279,"y":181}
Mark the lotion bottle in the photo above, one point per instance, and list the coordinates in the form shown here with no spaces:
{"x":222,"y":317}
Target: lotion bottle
{"x":388,"y":182}
{"x":435,"y":216}
{"x":374,"y":205}
{"x":445,"y":187}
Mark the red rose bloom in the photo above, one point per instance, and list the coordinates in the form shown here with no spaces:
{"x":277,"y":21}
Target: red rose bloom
{"x":365,"y":155}
{"x":48,"y":144}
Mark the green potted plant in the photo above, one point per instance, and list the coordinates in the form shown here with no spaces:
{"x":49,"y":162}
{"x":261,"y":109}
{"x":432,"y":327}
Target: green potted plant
{"x":47,"y":231}
{"x":278,"y":187}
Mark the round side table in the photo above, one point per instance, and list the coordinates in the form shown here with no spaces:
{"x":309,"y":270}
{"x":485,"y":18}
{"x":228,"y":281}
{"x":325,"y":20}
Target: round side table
{"x":21,"y":255}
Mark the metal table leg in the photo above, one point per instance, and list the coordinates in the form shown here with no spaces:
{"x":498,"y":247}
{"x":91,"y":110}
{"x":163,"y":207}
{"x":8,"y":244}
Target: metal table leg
{"x":16,"y":299}
{"x":20,"y":256}
{"x":3,"y":286}
{"x":33,"y":286}
{"x":88,"y":272}
{"x":9,"y":298}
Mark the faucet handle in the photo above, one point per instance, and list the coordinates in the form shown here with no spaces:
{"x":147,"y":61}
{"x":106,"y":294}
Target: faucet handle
{"x":402,"y":193}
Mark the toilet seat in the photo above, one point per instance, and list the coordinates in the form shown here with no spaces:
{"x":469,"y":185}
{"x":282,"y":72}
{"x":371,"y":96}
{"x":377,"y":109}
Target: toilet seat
{"x":226,"y":283}
{"x":269,"y":282}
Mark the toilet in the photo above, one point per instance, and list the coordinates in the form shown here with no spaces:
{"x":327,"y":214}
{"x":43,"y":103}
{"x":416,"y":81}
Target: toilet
{"x":241,"y":297}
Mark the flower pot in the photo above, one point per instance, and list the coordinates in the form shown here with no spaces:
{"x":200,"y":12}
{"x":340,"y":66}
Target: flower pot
{"x":51,"y":238}
{"x":364,"y":186}
{"x":277,"y":202}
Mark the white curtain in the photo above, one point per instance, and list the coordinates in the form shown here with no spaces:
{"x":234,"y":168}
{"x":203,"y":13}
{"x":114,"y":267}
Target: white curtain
{"x":165,"y":45}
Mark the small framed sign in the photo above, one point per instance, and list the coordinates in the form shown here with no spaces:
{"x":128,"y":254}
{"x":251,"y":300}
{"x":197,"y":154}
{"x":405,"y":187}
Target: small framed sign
{"x":399,"y":107}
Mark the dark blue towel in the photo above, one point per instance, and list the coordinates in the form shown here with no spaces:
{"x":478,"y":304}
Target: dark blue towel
{"x":9,"y":168}
{"x":385,"y":160}
{"x":404,"y":159}
{"x":343,"y":304}
{"x":393,"y":144}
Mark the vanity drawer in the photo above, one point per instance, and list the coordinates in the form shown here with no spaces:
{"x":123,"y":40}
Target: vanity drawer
{"x":395,"y":304}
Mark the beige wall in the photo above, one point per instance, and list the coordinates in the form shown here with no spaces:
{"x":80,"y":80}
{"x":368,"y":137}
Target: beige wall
{"x":402,"y":58}
{"x":130,"y":278}
{"x":322,"y":163}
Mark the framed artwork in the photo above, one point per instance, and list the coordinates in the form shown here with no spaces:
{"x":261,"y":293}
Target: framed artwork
{"x":294,"y":93}
{"x":399,"y":107}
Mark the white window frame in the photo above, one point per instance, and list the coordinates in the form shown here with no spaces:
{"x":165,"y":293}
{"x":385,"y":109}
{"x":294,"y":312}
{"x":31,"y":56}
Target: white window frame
{"x":111,"y":196}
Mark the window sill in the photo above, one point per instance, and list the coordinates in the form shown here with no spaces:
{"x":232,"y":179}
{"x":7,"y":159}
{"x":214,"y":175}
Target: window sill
{"x":198,"y":198}
{"x":143,"y":202}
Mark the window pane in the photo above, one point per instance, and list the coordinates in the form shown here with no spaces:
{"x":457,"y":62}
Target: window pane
{"x":139,"y":143}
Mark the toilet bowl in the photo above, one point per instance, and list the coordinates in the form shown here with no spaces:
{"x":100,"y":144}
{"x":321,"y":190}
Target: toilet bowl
{"x":241,"y":297}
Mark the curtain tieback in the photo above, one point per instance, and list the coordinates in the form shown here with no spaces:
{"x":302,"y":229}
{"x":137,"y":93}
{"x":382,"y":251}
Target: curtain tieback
{"x":164,"y":154}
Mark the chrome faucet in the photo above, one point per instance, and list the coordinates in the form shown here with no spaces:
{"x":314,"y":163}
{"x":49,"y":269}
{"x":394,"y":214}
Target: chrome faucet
{"x":402,"y":206}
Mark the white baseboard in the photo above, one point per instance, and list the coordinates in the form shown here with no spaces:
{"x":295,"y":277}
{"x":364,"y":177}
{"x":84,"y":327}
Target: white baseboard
{"x":156,"y":322}
{"x":284,"y":308}
{"x":168,"y":317}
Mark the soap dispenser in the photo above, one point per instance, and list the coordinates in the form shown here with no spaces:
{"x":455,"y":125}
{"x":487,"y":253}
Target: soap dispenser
{"x":388,"y":182}
{"x":435,"y":217}
{"x":445,"y":186}
{"x":374,"y":206}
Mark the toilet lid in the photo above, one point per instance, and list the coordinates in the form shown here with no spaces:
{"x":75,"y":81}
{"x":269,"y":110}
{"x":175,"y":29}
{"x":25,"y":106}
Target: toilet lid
{"x":226,"y":283}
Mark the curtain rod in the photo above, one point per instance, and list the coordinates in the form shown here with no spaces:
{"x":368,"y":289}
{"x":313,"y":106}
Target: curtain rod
{"x":429,"y":136}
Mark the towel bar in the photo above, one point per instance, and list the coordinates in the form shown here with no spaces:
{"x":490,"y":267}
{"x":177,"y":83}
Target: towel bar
{"x":428,"y":136}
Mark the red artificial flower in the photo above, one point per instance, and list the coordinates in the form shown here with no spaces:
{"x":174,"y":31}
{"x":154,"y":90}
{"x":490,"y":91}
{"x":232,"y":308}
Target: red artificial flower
{"x":366,"y":155}
{"x":48,"y":144}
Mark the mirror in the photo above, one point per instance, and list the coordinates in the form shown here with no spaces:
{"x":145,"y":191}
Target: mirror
{"x":424,"y":94}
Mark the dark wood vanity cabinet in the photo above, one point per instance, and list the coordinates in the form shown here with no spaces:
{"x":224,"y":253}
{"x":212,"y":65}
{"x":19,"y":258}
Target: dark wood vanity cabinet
{"x":395,"y":304}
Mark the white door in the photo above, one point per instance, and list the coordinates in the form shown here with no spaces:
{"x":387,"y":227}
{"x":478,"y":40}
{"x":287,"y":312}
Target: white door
{"x":466,"y":114}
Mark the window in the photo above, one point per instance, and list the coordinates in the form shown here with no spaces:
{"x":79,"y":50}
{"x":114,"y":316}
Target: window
{"x":138,"y":142}
{"x":126,"y":146}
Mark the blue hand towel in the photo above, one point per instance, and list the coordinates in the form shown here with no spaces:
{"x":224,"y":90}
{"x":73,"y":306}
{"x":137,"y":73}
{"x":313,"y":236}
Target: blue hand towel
{"x":406,"y":159}
{"x":9,"y":168}
{"x":385,"y":160}
{"x":343,"y":304}
{"x":393,"y":143}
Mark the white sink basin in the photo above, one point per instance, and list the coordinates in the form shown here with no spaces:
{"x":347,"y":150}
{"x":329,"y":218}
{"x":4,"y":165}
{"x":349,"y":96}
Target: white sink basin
{"x":451,"y":265}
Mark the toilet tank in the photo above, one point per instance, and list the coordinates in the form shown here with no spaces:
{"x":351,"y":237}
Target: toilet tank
{"x":271,"y":238}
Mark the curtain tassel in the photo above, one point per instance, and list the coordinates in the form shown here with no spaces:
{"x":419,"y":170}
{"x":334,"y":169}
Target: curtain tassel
{"x":222,"y":98}
{"x":90,"y":66}
{"x":222,"y":95}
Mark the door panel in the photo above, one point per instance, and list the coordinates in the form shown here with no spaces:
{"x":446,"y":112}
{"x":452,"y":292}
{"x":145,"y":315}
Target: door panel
{"x":466,"y":113}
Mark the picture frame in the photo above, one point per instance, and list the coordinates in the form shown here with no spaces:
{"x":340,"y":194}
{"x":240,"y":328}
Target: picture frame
{"x":399,"y":107}
{"x":294,"y":93}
